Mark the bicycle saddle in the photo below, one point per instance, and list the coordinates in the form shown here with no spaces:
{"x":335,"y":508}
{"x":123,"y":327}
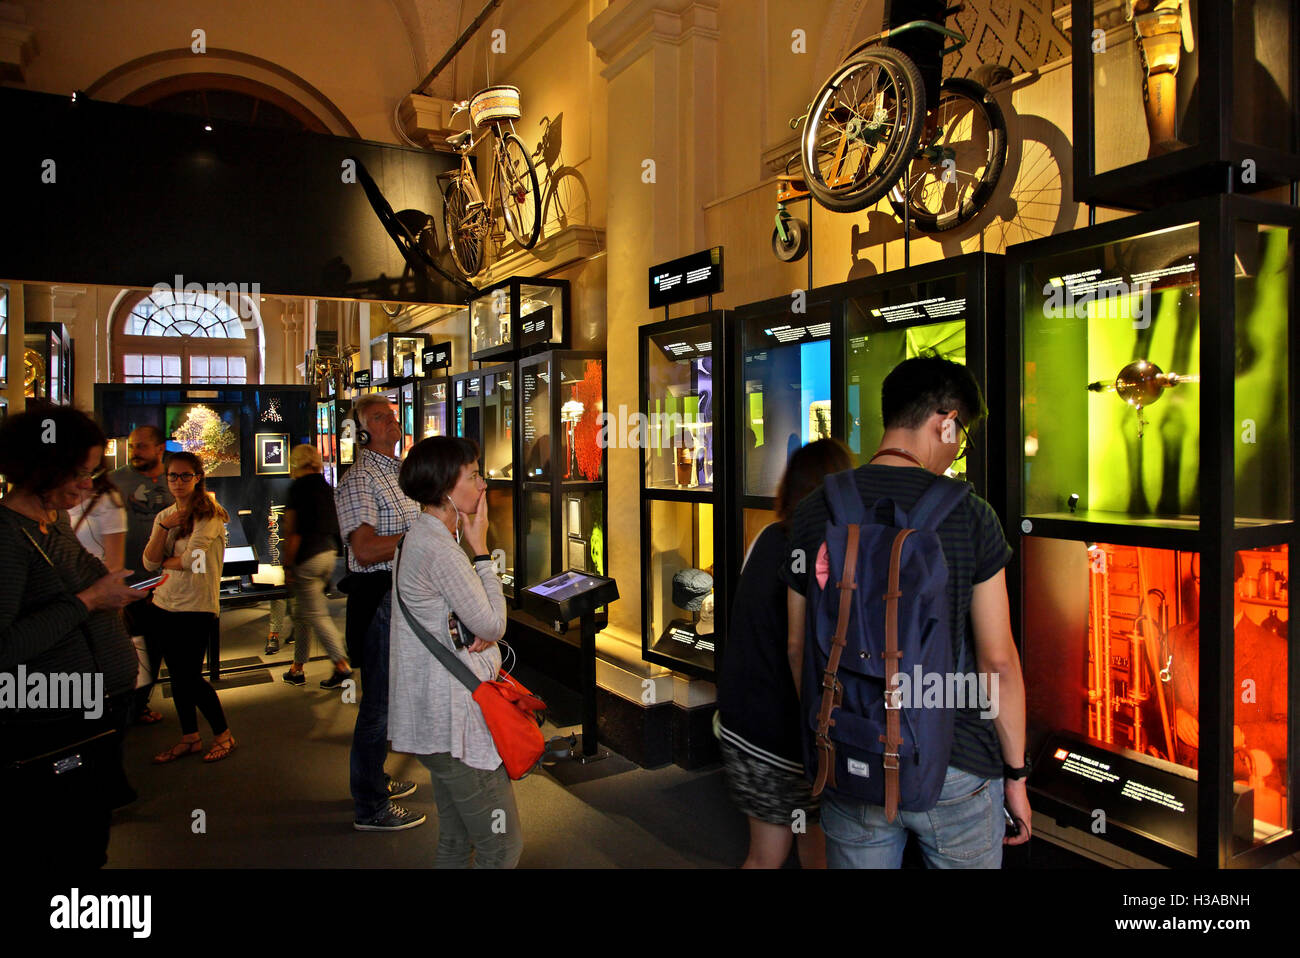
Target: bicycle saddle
{"x":457,"y":141}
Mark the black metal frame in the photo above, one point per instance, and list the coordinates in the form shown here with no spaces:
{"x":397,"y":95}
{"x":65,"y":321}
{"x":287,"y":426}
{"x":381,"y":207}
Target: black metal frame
{"x":1212,"y":165}
{"x":1216,"y":539}
{"x":555,"y":486}
{"x":422,"y":383}
{"x":64,"y":372}
{"x":512,"y":348}
{"x":719,"y":497}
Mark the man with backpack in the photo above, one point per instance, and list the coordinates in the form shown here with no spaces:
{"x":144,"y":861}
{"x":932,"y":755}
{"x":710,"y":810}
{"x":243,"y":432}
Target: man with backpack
{"x":888,"y":565}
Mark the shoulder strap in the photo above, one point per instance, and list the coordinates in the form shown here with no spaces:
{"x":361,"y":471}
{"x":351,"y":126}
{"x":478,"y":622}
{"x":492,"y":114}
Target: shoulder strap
{"x":942,"y":496}
{"x":843,"y":499}
{"x":444,"y":655}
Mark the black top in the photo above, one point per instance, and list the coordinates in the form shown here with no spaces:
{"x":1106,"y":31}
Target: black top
{"x":756,"y":695}
{"x":976,"y":549}
{"x":314,"y":518}
{"x":44,"y":626}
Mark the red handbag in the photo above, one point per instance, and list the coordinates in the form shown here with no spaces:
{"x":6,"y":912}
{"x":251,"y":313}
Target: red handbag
{"x":512,"y":713}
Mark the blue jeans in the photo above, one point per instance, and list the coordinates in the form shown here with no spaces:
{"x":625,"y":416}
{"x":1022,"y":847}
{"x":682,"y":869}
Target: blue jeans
{"x":965,"y":830}
{"x":370,"y":736}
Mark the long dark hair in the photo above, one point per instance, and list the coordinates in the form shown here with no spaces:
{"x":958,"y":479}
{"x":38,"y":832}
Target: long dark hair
{"x":203,"y":504}
{"x":806,"y":470}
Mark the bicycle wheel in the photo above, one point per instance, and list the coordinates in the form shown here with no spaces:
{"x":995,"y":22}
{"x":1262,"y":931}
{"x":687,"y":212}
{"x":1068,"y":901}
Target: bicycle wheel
{"x":521,"y":200}
{"x":862,"y":128}
{"x":464,"y":237}
{"x":953,"y":177}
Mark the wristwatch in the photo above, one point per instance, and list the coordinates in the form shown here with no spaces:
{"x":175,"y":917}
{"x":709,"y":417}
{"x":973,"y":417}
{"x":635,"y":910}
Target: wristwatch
{"x":1016,"y":774}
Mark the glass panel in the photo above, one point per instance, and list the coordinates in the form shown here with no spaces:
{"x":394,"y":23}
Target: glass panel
{"x":238,"y":366}
{"x":1112,"y":381}
{"x":679,"y":410}
{"x":406,"y":349}
{"x":1262,"y":290}
{"x":379,"y":361}
{"x":490,"y":320}
{"x":535,"y":301}
{"x":172,"y":367}
{"x":1263,"y":61}
{"x":1260,"y":653}
{"x":1110,"y":651}
{"x":679,"y":586}
{"x":217,"y":365}
{"x":787,"y":399}
{"x":537,"y":535}
{"x":469,"y":409}
{"x":433,"y":405}
{"x":501,"y":530}
{"x":199,"y":369}
{"x":535,"y":408}
{"x":498,"y":425}
{"x":408,"y":417}
{"x":584,"y":530}
{"x":1143,"y":81}
{"x":152,"y":367}
{"x":133,"y":364}
{"x":581,"y":398}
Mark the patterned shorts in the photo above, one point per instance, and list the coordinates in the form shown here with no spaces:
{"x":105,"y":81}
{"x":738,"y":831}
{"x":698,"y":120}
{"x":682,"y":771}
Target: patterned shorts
{"x":764,"y":792}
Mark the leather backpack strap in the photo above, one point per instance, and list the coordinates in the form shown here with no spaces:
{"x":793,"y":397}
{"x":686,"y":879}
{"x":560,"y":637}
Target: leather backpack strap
{"x":832,"y":693}
{"x":893,"y":733}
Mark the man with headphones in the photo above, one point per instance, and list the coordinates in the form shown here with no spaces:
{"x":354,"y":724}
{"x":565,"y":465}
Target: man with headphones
{"x":373,"y":515}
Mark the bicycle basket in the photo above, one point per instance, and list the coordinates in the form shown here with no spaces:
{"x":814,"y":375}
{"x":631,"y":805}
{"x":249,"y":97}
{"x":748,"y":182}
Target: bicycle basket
{"x":495,"y":103}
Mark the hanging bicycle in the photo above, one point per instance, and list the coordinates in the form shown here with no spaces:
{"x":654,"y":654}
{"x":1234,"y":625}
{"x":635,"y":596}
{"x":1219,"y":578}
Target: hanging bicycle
{"x":869,"y":125}
{"x":512,"y":181}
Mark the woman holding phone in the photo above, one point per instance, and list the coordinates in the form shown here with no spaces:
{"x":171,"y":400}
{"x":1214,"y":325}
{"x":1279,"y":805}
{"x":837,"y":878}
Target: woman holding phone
{"x":459,"y":600}
{"x":188,"y":545}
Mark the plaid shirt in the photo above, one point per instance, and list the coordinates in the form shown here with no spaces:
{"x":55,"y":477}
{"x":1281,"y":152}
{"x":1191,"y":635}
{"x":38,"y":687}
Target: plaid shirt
{"x":369,"y":494}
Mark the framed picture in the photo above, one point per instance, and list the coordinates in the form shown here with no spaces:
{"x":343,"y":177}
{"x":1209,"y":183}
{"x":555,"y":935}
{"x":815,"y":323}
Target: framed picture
{"x":272,"y":453}
{"x":575,"y":516}
{"x":577,"y":554}
{"x":210,"y":431}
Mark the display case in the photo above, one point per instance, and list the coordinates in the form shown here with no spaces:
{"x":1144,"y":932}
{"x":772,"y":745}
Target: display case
{"x":434,"y":406}
{"x":1183,"y":98}
{"x":1150,"y":491}
{"x":396,"y":358}
{"x":327,"y":438}
{"x":47,"y":362}
{"x":562,"y":464}
{"x":484,"y":410}
{"x":683,"y":492}
{"x":519,"y":315}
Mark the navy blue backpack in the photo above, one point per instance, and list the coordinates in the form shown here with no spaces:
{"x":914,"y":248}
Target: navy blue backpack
{"x":882,"y":611}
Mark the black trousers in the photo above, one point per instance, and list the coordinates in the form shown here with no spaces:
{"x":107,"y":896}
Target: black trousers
{"x":183,"y":637}
{"x":139,"y":617}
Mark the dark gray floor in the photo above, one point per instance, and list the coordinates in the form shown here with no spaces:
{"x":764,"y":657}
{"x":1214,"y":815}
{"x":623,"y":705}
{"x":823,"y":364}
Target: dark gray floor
{"x":281,"y":800}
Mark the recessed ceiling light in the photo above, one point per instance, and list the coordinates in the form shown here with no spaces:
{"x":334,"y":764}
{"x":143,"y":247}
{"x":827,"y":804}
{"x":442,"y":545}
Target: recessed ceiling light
{"x":208,"y":127}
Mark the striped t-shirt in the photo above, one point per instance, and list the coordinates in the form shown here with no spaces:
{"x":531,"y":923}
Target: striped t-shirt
{"x":976,"y":549}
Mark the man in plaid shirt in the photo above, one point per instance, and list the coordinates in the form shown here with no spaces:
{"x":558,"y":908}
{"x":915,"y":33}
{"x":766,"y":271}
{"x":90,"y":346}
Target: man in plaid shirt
{"x":373,"y":515}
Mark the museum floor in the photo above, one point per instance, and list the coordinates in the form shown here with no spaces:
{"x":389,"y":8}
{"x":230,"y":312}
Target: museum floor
{"x":281,"y":800}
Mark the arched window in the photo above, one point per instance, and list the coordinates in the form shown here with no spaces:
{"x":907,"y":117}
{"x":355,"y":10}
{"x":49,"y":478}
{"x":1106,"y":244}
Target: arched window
{"x":186,"y":337}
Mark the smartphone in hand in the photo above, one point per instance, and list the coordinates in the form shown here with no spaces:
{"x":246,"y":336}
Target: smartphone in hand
{"x":151,"y":583}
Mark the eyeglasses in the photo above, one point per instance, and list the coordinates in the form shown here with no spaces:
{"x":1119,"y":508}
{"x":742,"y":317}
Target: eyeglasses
{"x":83,"y":474}
{"x":180,"y":476}
{"x":965,"y":437}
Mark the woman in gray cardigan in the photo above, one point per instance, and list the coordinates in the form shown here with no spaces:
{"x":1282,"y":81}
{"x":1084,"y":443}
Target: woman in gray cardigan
{"x":430,"y":713}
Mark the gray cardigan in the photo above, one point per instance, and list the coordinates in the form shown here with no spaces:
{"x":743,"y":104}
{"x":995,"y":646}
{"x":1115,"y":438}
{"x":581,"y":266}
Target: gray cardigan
{"x":429,"y":711}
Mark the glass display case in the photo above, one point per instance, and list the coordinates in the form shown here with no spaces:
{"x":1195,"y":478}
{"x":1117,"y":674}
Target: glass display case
{"x":327,"y":438}
{"x":1190,"y":96}
{"x":435,"y":402}
{"x":562,"y":464}
{"x":683,"y":485}
{"x":396,"y":357}
{"x":518,"y":315}
{"x":1151,"y":371}
{"x":484,"y":410}
{"x":47,"y":362}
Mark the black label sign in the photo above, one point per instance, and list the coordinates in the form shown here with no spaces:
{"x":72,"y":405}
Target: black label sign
{"x":437,"y":356}
{"x":690,"y":277}
{"x":361,"y":379}
{"x":536,"y":326}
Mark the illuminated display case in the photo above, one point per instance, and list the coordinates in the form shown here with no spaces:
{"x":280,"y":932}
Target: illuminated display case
{"x":47,"y":362}
{"x":1151,"y":490}
{"x":434,"y":407}
{"x":562,"y":464}
{"x":395,"y":357}
{"x":484,"y":410}
{"x":327,"y":438}
{"x":683,"y":489}
{"x":1186,"y":98}
{"x":517,"y":315}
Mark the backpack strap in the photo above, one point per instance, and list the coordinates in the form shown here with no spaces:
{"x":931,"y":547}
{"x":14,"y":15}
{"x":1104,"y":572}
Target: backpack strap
{"x":941,"y":498}
{"x":843,"y":499}
{"x":893,"y":736}
{"x":832,"y":692}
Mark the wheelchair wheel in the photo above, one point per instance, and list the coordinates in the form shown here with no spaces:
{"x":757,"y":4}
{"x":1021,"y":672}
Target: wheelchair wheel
{"x":795,"y":246}
{"x":953,"y":177}
{"x":862,"y":129}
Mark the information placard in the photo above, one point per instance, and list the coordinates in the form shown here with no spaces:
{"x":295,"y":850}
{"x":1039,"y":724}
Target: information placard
{"x":690,"y":277}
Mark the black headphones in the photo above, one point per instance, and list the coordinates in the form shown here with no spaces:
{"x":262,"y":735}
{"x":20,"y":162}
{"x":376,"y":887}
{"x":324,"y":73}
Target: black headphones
{"x":363,"y":434}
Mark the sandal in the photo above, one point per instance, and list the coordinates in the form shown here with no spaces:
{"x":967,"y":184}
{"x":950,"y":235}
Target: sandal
{"x":220,"y":749}
{"x":149,"y":718}
{"x":179,"y":750}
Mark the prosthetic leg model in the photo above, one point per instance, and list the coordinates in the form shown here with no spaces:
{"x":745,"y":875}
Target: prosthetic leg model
{"x":1160,"y":26}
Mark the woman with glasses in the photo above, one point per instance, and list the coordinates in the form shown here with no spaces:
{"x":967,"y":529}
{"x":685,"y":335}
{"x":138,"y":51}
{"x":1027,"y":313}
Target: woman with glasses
{"x":188,"y":546}
{"x":459,"y":601}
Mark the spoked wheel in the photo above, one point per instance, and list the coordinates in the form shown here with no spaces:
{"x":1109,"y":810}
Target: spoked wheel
{"x":521,"y":200}
{"x":862,"y":128}
{"x":954,"y":174}
{"x":410,"y":230}
{"x":464,"y":228}
{"x":795,"y":245}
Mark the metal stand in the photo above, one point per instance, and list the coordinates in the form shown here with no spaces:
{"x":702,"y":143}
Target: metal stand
{"x":585,"y":748}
